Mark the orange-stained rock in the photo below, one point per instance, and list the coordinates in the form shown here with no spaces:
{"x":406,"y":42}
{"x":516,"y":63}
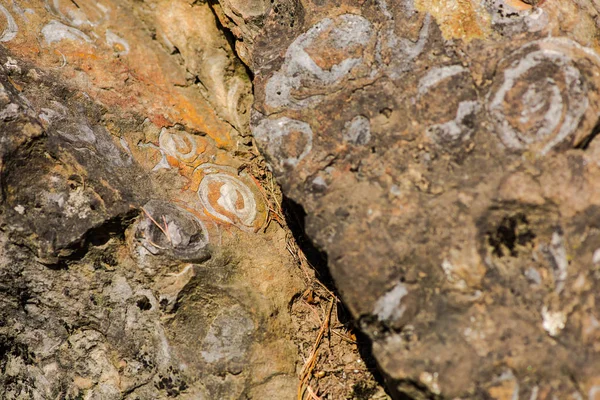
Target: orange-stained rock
{"x":133,"y":260}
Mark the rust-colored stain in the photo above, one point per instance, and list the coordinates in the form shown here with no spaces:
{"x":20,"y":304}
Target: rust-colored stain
{"x":458,"y":19}
{"x":519,"y":5}
{"x":131,"y":77}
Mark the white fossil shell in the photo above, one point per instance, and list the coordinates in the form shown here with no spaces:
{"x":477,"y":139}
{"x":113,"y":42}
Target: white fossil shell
{"x":541,"y":95}
{"x":172,"y":231}
{"x":226,"y":197}
{"x":179,"y":144}
{"x":10,"y":32}
{"x":55,"y":31}
{"x":300,"y":70}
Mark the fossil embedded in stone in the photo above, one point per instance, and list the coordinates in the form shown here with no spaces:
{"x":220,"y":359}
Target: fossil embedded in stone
{"x":227,"y":198}
{"x":11,"y":29}
{"x":179,"y":144}
{"x":171,"y":230}
{"x":56,"y":31}
{"x":287,"y":141}
{"x":542,"y":94}
{"x":318,"y":59}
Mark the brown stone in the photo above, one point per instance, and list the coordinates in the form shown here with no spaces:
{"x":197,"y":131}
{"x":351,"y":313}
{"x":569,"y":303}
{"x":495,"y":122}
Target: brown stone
{"x":446,"y":162}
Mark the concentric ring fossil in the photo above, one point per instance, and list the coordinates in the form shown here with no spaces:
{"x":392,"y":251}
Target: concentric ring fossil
{"x":167,"y":229}
{"x":544,"y":93}
{"x":227,"y":198}
{"x":286,"y":140}
{"x":179,"y":144}
{"x":448,"y":244}
{"x":319,"y":59}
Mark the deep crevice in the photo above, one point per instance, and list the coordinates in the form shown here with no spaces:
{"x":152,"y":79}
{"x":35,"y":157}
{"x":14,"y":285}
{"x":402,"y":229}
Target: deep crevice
{"x":231,"y":39}
{"x":295,"y":217}
{"x":585,"y":143}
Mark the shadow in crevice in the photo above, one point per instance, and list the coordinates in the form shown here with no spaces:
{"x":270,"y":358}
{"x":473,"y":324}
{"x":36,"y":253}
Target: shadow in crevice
{"x":230,"y":37}
{"x":585,"y":143}
{"x":295,"y":217}
{"x":96,"y":237}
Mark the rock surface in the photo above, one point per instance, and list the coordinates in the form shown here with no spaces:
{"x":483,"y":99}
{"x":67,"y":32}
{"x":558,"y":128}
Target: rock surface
{"x":136,"y":258}
{"x":446,"y":155}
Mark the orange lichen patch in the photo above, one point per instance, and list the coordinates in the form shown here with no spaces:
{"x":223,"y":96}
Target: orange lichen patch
{"x":223,"y":158}
{"x":458,"y":19}
{"x":143,"y":80}
{"x":173,"y":161}
{"x":83,"y":55}
{"x":199,"y":115}
{"x":131,"y":76}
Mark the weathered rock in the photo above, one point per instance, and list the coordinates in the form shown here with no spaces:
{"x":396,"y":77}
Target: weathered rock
{"x":135,"y":258}
{"x":446,"y":155}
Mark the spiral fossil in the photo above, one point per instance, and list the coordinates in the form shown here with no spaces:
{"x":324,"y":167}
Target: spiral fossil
{"x":170,"y":230}
{"x":542,"y":94}
{"x":227,"y":198}
{"x":179,"y":144}
{"x":317,"y":59}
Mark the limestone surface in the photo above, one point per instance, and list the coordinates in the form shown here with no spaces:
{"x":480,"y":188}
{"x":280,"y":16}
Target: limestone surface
{"x":447,"y":158}
{"x":136,"y":258}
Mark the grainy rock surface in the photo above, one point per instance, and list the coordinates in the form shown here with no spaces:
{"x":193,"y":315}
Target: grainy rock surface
{"x":446,"y":155}
{"x":136,"y":262}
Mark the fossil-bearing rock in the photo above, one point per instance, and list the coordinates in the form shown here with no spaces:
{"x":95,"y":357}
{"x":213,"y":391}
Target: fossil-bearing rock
{"x":445,"y":153}
{"x":136,"y":263}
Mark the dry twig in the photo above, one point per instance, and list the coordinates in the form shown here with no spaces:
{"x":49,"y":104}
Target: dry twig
{"x":312,"y":393}
{"x":344,"y":337}
{"x":167,"y":230}
{"x":164,"y":230}
{"x":310,"y":363}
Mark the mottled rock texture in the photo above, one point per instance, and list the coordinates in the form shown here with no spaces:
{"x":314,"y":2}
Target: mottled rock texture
{"x":446,"y":155}
{"x":135,"y":258}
